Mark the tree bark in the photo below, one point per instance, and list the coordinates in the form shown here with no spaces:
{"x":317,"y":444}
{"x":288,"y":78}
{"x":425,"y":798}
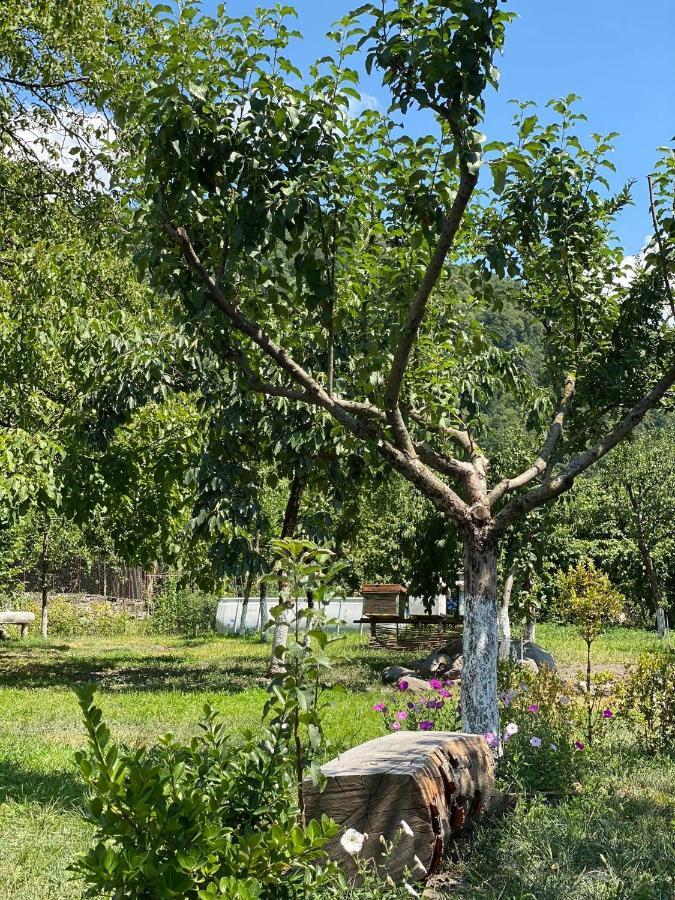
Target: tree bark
{"x":504,"y":619}
{"x":480,"y":710}
{"x":264,"y":611}
{"x":291,"y":515}
{"x":530,"y":625}
{"x":248,"y":587}
{"x":44,"y":620}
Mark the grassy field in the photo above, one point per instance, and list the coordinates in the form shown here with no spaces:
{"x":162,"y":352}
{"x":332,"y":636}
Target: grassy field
{"x":615,"y":840}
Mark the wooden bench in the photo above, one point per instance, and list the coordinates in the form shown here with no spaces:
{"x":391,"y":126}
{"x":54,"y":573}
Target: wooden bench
{"x":16,"y":617}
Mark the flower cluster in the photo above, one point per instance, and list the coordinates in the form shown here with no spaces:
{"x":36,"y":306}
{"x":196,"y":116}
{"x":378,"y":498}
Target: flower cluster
{"x":432,"y":710}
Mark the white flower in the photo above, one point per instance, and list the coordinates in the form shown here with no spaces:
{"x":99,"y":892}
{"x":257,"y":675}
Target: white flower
{"x":510,"y":730}
{"x":410,"y":889}
{"x":408,"y":830}
{"x":352,"y":841}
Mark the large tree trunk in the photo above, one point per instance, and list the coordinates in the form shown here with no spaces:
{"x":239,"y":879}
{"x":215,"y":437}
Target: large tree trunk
{"x":44,"y":590}
{"x":504,"y":618}
{"x":281,"y":628}
{"x":480,"y":711}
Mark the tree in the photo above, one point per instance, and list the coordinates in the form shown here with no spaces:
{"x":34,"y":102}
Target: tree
{"x":322,"y":246}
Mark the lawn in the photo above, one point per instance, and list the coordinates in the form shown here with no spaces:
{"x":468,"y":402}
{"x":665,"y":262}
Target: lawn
{"x":615,"y":840}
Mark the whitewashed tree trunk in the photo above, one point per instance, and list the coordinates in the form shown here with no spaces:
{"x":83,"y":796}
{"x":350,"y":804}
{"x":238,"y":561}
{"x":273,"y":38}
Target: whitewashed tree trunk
{"x":44,"y":587}
{"x":530,"y":626}
{"x":504,"y":618}
{"x":661,"y":621}
{"x":280,"y":638}
{"x":480,"y":710}
{"x":264,"y":613}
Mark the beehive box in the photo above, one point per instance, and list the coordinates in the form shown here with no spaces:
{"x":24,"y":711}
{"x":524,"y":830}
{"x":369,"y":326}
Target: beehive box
{"x":384,"y":600}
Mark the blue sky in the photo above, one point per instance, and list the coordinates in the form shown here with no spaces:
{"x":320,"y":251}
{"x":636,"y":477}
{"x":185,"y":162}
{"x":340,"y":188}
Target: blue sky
{"x":618,"y":55}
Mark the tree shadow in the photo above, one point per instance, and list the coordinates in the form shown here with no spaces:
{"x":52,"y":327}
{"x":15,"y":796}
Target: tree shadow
{"x":132,"y":673}
{"x":18,"y":784}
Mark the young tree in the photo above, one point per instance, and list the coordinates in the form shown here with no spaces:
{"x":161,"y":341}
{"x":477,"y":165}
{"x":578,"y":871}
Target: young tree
{"x":325,"y":250}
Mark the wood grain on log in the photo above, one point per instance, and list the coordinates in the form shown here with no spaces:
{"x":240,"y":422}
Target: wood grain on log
{"x":436,"y":781}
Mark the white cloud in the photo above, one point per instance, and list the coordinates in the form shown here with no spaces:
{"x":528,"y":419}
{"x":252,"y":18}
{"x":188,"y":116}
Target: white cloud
{"x":367,"y":101}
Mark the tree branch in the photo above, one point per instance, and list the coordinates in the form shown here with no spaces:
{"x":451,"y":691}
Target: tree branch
{"x":538,"y":467}
{"x":418,"y":305}
{"x":440,"y":494}
{"x":663,"y":256}
{"x":520,"y":506}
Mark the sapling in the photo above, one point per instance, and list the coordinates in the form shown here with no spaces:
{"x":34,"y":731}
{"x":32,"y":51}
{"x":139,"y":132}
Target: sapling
{"x":588,"y":600}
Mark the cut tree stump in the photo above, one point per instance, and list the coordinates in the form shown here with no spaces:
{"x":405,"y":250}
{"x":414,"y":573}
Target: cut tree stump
{"x":436,"y":781}
{"x":16,"y":617}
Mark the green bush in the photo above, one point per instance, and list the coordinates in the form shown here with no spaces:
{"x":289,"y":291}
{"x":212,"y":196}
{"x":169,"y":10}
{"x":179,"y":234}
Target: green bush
{"x":649,"y":701}
{"x":94,"y":619}
{"x":540,"y":748}
{"x":183,"y":612}
{"x":199,"y":821}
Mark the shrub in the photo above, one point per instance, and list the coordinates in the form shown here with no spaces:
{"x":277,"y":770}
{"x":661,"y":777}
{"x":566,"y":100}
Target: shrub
{"x":199,"y":821}
{"x":540,"y":749}
{"x":183,"y":612}
{"x":649,"y":701}
{"x":92,"y":619}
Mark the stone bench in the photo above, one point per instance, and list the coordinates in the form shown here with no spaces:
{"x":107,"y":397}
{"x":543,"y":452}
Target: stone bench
{"x":15,"y":617}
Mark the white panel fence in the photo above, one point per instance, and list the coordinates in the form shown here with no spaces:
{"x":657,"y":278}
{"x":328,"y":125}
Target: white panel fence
{"x":228,"y":614}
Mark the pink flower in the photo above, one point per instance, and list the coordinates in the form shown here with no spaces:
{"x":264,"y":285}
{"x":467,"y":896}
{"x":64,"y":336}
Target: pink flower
{"x":402,"y":715}
{"x":607,"y":714}
{"x":492,"y":740}
{"x":579,"y":745}
{"x":402,"y":685}
{"x":535,"y":741}
{"x":379,"y":707}
{"x":435,"y":684}
{"x":444,"y":692}
{"x":395,"y":726}
{"x":534,"y":708}
{"x":426,"y":726}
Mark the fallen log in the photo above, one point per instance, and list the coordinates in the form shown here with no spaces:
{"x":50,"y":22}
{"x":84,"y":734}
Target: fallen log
{"x":437,"y":782}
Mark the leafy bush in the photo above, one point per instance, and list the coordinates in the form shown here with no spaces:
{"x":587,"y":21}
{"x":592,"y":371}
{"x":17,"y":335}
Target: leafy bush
{"x":183,"y":612}
{"x":199,"y":821}
{"x":433,"y":710}
{"x":538,"y":734}
{"x":92,"y":619}
{"x":649,"y":701}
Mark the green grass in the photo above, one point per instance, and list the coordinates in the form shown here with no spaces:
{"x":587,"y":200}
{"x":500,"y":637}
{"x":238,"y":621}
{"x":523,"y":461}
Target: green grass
{"x":148,"y":686}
